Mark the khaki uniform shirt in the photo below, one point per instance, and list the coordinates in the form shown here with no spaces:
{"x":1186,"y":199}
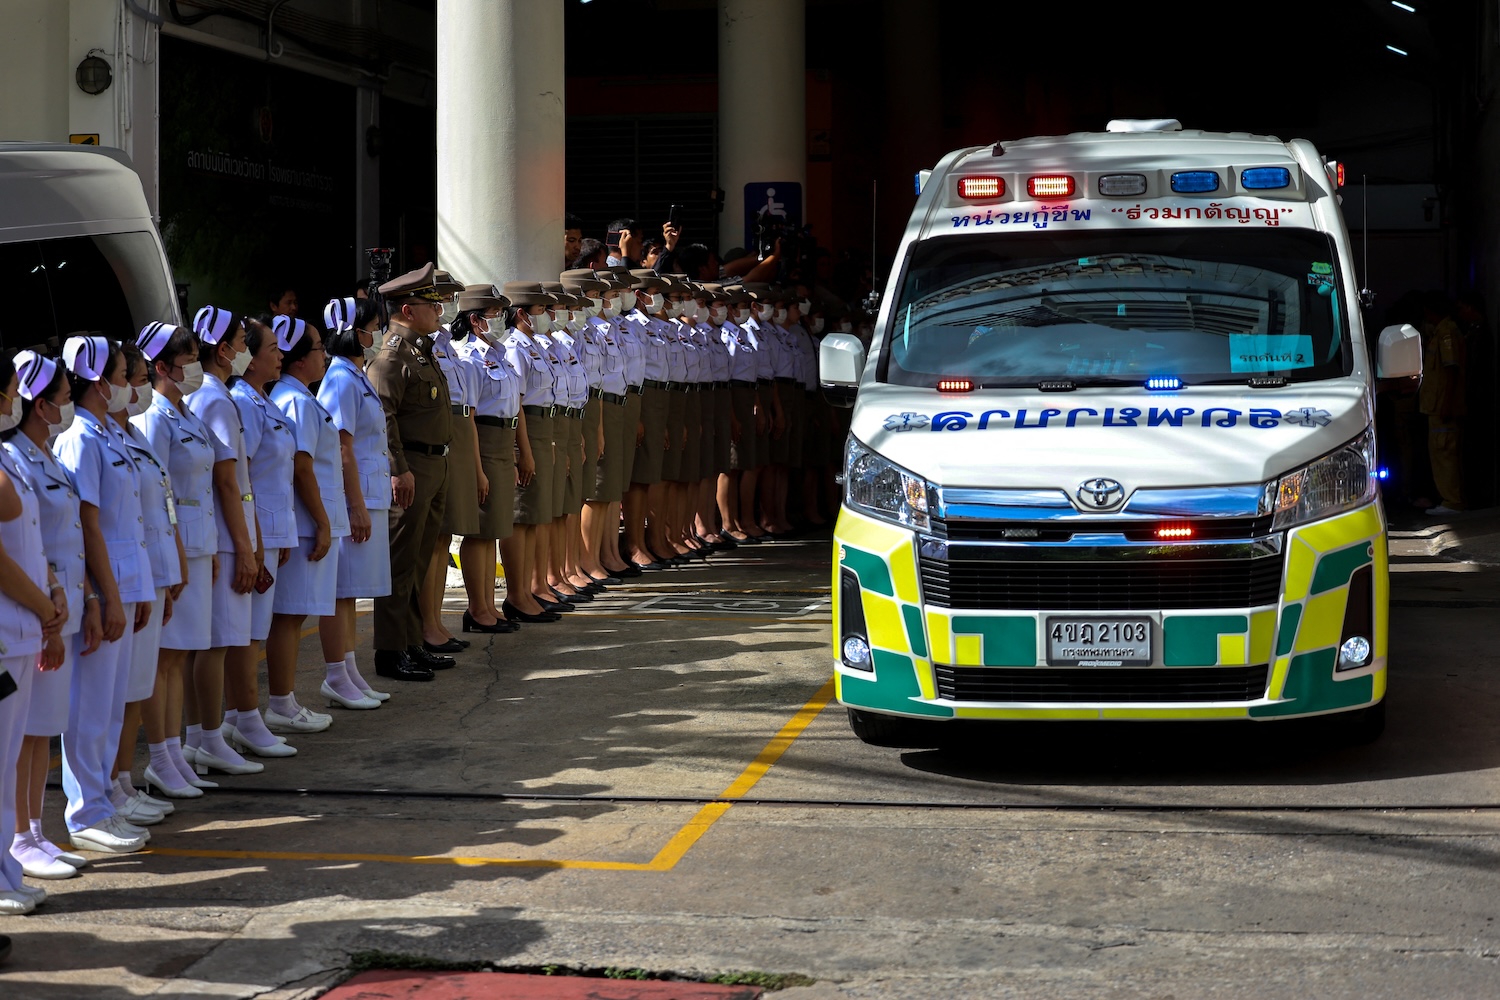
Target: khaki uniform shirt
{"x":412,"y":391}
{"x":1442,"y":369}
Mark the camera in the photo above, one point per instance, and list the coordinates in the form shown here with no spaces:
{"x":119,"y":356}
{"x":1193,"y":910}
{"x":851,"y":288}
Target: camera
{"x":799,"y":248}
{"x":380,"y":272}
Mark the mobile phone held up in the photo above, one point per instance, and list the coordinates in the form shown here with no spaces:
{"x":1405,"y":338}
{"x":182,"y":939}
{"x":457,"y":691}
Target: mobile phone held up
{"x":674,"y":216}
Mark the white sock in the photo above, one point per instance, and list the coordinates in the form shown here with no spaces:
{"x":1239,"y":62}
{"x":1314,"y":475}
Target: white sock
{"x":338,"y":679}
{"x":213,"y":743}
{"x":126,"y":785}
{"x":284,"y":705}
{"x":252,"y":729}
{"x":351,"y":670}
{"x":179,"y":762}
{"x":231,"y":717}
{"x":194,"y":737}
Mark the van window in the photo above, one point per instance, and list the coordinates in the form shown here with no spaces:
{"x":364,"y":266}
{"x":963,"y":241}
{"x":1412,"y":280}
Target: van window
{"x":1118,"y":307}
{"x":112,"y":283}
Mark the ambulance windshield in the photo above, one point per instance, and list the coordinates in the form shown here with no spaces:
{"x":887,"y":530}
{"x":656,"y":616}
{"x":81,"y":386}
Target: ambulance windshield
{"x":1116,"y":308}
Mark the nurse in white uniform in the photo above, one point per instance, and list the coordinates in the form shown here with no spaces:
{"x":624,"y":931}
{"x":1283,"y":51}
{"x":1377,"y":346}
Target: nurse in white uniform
{"x":309,"y":580}
{"x":180,"y":440}
{"x":270,"y":444}
{"x":223,"y":355}
{"x":47,"y":410}
{"x":32,"y":612}
{"x":364,"y":554}
{"x":168,"y":566}
{"x":114,"y":544}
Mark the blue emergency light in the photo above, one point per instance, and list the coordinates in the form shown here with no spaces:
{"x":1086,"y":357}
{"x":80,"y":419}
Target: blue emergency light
{"x":1195,"y":181}
{"x":1382,"y":473}
{"x":1266,"y":178}
{"x":1163,"y":383}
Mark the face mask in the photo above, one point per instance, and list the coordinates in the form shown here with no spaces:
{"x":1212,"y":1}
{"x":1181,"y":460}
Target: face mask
{"x":141,"y":402}
{"x":718,"y":314}
{"x":541,"y":324}
{"x":370,"y":353}
{"x":596,"y":307}
{"x":742,"y":315}
{"x":560,"y":318}
{"x":779,"y":317}
{"x":611,"y":308}
{"x":64,"y":419}
{"x":118,"y":398}
{"x":815,"y":325}
{"x":655,"y":302}
{"x":240,"y":363}
{"x":192,"y":378}
{"x":764,"y":312}
{"x":12,"y":417}
{"x":842,"y":326}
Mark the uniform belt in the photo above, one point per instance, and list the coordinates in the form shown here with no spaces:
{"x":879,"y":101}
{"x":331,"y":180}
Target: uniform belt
{"x":652,"y":383}
{"x":425,"y":449}
{"x":571,"y":411}
{"x":810,"y":392}
{"x":613,"y":397}
{"x":723,"y":383}
{"x":539,"y":411}
{"x":740,"y":383}
{"x":461,"y":409}
{"x":764,"y":381}
{"x":596,"y":392}
{"x":787,"y":380}
{"x":485,"y":421}
{"x":639,"y":390}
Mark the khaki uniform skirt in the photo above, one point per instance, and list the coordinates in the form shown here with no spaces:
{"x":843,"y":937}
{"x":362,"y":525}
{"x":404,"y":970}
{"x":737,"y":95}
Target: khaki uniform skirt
{"x":707,"y":423}
{"x":692,"y":422}
{"x":786,"y":449}
{"x":767,"y":395}
{"x":574,"y":484}
{"x":562,"y":433}
{"x":609,"y":476}
{"x":650,"y":453}
{"x":534,"y":501}
{"x":593,"y":414}
{"x":462,"y":514}
{"x":497,"y":454}
{"x":627,"y":438}
{"x":723,"y":401}
{"x":676,"y":424}
{"x":742,"y":452}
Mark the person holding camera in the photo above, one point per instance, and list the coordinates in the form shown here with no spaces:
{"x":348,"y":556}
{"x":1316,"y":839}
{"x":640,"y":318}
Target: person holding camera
{"x":626,"y":244}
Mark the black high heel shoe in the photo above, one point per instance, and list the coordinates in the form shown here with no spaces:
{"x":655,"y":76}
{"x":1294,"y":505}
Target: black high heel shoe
{"x":500,"y":627}
{"x":515,"y":614}
{"x":553,"y":607}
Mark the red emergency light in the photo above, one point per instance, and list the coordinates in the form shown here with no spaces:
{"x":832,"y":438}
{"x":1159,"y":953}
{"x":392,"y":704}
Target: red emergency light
{"x":956,"y":385}
{"x":1176,"y":531}
{"x":1060,"y":186}
{"x":981,"y":187}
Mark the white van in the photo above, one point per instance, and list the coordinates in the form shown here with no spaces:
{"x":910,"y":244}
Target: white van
{"x":1112,"y":455}
{"x":78,"y":248}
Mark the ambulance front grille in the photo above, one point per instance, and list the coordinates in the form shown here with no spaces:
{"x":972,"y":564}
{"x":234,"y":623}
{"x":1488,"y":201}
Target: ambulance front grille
{"x":1088,"y":684}
{"x":1125,"y":585}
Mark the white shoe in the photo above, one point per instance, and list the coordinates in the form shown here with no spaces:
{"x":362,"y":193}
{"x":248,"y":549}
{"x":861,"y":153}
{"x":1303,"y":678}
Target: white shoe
{"x":105,"y":838}
{"x":278,"y":749}
{"x":377,"y":695}
{"x":37,"y":893}
{"x":334,"y":698}
{"x":52,"y":868}
{"x":303,"y":722}
{"x":68,"y":858}
{"x":137,"y":813}
{"x":125,"y":828}
{"x":154,"y":780}
{"x":207,"y":761}
{"x":16,"y":904}
{"x":160,"y":805}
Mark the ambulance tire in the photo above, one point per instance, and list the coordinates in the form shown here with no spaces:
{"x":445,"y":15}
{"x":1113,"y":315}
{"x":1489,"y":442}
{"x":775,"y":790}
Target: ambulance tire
{"x":1364,"y":726}
{"x":894,"y":731}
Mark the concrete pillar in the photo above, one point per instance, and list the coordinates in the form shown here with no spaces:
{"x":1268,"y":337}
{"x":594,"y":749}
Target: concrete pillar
{"x":500,"y":139}
{"x":762,"y":105}
{"x":34,"y":57}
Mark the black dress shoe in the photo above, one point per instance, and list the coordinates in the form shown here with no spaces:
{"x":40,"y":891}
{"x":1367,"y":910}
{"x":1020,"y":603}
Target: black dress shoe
{"x":501,"y":626}
{"x":450,"y":646}
{"x":654,"y":564}
{"x":628,"y":573}
{"x":515,"y":614}
{"x":432,"y":661}
{"x":607,"y":581}
{"x":552,"y":607}
{"x":398,"y":666}
{"x":750,"y":540}
{"x":581,"y":597}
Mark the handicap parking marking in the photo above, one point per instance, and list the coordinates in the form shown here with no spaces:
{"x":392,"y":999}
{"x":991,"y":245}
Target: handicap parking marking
{"x":744,"y":605}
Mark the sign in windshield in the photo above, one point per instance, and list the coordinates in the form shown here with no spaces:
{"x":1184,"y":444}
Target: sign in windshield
{"x":1108,"y":308}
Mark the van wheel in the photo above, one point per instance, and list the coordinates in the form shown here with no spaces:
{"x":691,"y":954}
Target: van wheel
{"x":893,"y":731}
{"x":1364,"y":726}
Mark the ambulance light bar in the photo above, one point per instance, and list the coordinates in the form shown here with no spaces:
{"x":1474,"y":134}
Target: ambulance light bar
{"x":1059,"y":186}
{"x":1161,"y":383}
{"x":981,"y":187}
{"x":1177,"y":531}
{"x":956,"y":385}
{"x":1195,"y":181}
{"x":1266,"y":178}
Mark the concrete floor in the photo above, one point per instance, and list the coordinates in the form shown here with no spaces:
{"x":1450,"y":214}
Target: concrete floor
{"x":1109,"y":861}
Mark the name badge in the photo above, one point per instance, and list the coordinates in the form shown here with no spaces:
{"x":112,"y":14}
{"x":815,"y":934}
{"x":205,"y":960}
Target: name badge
{"x":119,"y":462}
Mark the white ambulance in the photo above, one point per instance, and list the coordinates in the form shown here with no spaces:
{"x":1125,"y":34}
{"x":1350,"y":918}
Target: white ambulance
{"x":1112,"y":454}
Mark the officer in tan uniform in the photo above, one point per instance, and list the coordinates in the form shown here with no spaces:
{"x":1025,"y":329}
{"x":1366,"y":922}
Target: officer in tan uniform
{"x":418,"y":425}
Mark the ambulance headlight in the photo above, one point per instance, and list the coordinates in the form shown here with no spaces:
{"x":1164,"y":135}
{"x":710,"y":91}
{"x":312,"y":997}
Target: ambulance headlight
{"x":880,"y":488}
{"x":1335,"y":483}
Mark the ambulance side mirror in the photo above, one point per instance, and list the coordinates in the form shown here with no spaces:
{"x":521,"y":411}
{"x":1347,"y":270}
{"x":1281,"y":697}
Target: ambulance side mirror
{"x":841,"y":362}
{"x":1400,"y":352}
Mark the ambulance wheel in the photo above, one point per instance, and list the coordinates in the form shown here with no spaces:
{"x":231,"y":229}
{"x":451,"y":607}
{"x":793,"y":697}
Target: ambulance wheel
{"x":1364,"y":726}
{"x":893,"y":731}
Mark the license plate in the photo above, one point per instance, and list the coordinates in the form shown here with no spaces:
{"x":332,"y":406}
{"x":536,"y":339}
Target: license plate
{"x":1099,"y":642}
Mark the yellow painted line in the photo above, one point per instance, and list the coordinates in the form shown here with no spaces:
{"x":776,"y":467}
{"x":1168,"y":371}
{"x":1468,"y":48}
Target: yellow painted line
{"x":687,"y":616}
{"x":665,"y":860}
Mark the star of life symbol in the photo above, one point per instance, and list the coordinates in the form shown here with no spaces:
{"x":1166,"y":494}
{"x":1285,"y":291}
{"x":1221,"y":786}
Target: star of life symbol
{"x":905,"y":421}
{"x":1308,"y":417}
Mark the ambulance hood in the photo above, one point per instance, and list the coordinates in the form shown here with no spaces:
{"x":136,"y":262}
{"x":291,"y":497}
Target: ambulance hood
{"x":1202,"y":436}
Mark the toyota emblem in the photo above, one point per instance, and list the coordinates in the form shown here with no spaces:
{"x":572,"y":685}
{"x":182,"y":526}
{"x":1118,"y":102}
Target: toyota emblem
{"x":1101,"y":494}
